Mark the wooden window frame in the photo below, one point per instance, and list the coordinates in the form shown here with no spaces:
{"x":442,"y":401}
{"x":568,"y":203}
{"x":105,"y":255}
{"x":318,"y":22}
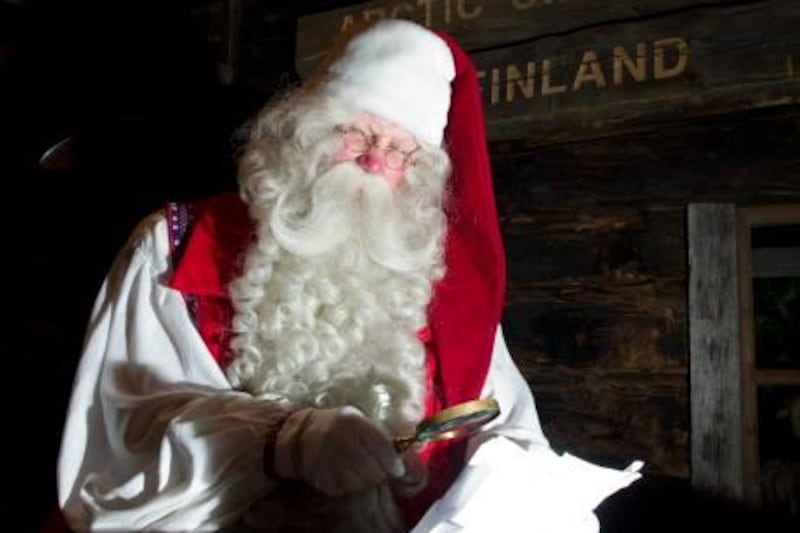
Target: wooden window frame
{"x":723,"y":377}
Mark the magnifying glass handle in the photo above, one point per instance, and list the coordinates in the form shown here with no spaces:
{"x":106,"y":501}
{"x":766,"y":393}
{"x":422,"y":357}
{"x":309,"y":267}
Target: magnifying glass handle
{"x":401,"y":444}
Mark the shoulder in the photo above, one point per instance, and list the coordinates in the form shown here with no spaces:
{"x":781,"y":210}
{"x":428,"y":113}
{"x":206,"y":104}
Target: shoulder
{"x":149,"y":240}
{"x":163,"y":238}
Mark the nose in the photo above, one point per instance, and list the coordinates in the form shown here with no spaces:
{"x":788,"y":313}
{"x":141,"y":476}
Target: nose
{"x":371,"y":161}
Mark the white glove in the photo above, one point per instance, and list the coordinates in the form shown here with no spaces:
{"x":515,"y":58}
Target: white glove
{"x":415,"y":478}
{"x":337,"y":451}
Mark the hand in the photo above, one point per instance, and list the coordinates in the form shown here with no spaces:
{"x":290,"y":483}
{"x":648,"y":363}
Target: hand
{"x":340,"y":451}
{"x":415,"y":477}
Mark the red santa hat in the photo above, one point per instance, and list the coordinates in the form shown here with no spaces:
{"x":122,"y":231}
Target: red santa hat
{"x":468,"y":302}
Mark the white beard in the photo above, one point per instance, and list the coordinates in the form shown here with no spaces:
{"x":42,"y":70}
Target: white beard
{"x":334,"y":292}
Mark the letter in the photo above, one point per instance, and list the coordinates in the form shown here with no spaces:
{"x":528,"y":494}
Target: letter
{"x":495,"y":86}
{"x":465,"y":14}
{"x":661,"y":72}
{"x":347,"y":22}
{"x":428,"y":11}
{"x":638,"y":69}
{"x":377,"y":13}
{"x":547,"y":89}
{"x":514,"y":78}
{"x":589,"y":62}
{"x":482,"y":81}
{"x":401,"y":6}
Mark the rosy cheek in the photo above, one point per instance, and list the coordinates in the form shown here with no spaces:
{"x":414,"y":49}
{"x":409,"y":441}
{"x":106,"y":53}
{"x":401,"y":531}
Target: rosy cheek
{"x":343,"y":153}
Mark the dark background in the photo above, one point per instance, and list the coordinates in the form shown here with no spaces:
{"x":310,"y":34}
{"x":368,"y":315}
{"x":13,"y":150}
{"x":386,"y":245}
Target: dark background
{"x":133,"y":85}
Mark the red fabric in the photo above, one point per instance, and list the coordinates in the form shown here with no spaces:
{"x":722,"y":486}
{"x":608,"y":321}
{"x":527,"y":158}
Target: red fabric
{"x":216,"y":242}
{"x":466,"y":305}
{"x":210,"y":259}
{"x":468,"y":302}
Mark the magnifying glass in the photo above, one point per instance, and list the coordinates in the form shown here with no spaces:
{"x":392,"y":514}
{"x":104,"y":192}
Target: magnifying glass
{"x":456,"y":421}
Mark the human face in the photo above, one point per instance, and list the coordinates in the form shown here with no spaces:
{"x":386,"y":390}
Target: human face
{"x":382,"y":135}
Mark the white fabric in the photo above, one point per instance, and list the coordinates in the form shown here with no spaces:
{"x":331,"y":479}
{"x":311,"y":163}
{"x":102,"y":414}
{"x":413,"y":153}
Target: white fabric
{"x":399,"y":71}
{"x":509,"y":489}
{"x":155,"y":437}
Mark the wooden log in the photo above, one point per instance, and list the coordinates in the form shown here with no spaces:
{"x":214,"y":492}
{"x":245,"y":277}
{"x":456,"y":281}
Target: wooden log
{"x":631,"y":295}
{"x":613,"y":416}
{"x":620,"y":244}
{"x":752,"y":156}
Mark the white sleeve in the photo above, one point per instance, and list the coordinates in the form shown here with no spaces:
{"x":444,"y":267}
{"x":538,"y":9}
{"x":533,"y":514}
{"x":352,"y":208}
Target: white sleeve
{"x":154,"y":436}
{"x":518,"y":419}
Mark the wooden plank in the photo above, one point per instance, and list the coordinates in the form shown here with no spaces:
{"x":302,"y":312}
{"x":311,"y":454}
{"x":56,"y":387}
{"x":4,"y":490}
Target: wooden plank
{"x":588,"y":411}
{"x":773,"y":215}
{"x":715,"y":369}
{"x":477,"y":24}
{"x":751,"y":490}
{"x":778,"y":377}
{"x":586,"y":76}
{"x":655,"y":170}
{"x":595,"y":336}
{"x":616,"y":247}
{"x":633,"y":295}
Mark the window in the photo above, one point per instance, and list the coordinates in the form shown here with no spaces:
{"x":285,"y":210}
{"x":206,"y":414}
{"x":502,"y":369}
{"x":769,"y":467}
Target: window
{"x":744,"y":324}
{"x":769,"y":279}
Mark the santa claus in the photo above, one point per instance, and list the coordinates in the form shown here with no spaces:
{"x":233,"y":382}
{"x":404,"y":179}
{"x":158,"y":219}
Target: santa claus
{"x":251,"y":357}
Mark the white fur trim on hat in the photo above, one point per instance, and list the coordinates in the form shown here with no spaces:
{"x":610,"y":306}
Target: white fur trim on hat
{"x":399,"y":71}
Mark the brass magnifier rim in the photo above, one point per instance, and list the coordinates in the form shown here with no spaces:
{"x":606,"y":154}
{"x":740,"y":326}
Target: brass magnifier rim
{"x":482,"y":405}
{"x":458,"y":411}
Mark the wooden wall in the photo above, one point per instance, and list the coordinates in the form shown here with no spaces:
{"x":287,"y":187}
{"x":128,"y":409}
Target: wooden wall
{"x":595,"y":233}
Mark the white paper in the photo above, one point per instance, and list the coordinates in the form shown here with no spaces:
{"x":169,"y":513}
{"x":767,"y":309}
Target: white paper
{"x":505,"y":488}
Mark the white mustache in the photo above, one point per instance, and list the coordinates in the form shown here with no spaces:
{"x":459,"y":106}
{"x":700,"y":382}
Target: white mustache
{"x":344,"y":204}
{"x":311,"y":221}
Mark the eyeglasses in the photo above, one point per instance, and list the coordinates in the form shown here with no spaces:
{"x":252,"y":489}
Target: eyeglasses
{"x":359,"y":142}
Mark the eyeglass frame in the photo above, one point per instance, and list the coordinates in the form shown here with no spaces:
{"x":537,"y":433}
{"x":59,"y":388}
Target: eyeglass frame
{"x":371,"y":140}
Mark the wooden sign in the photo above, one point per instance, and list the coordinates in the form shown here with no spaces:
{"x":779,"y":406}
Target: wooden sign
{"x":616,"y":74}
{"x":477,"y":24}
